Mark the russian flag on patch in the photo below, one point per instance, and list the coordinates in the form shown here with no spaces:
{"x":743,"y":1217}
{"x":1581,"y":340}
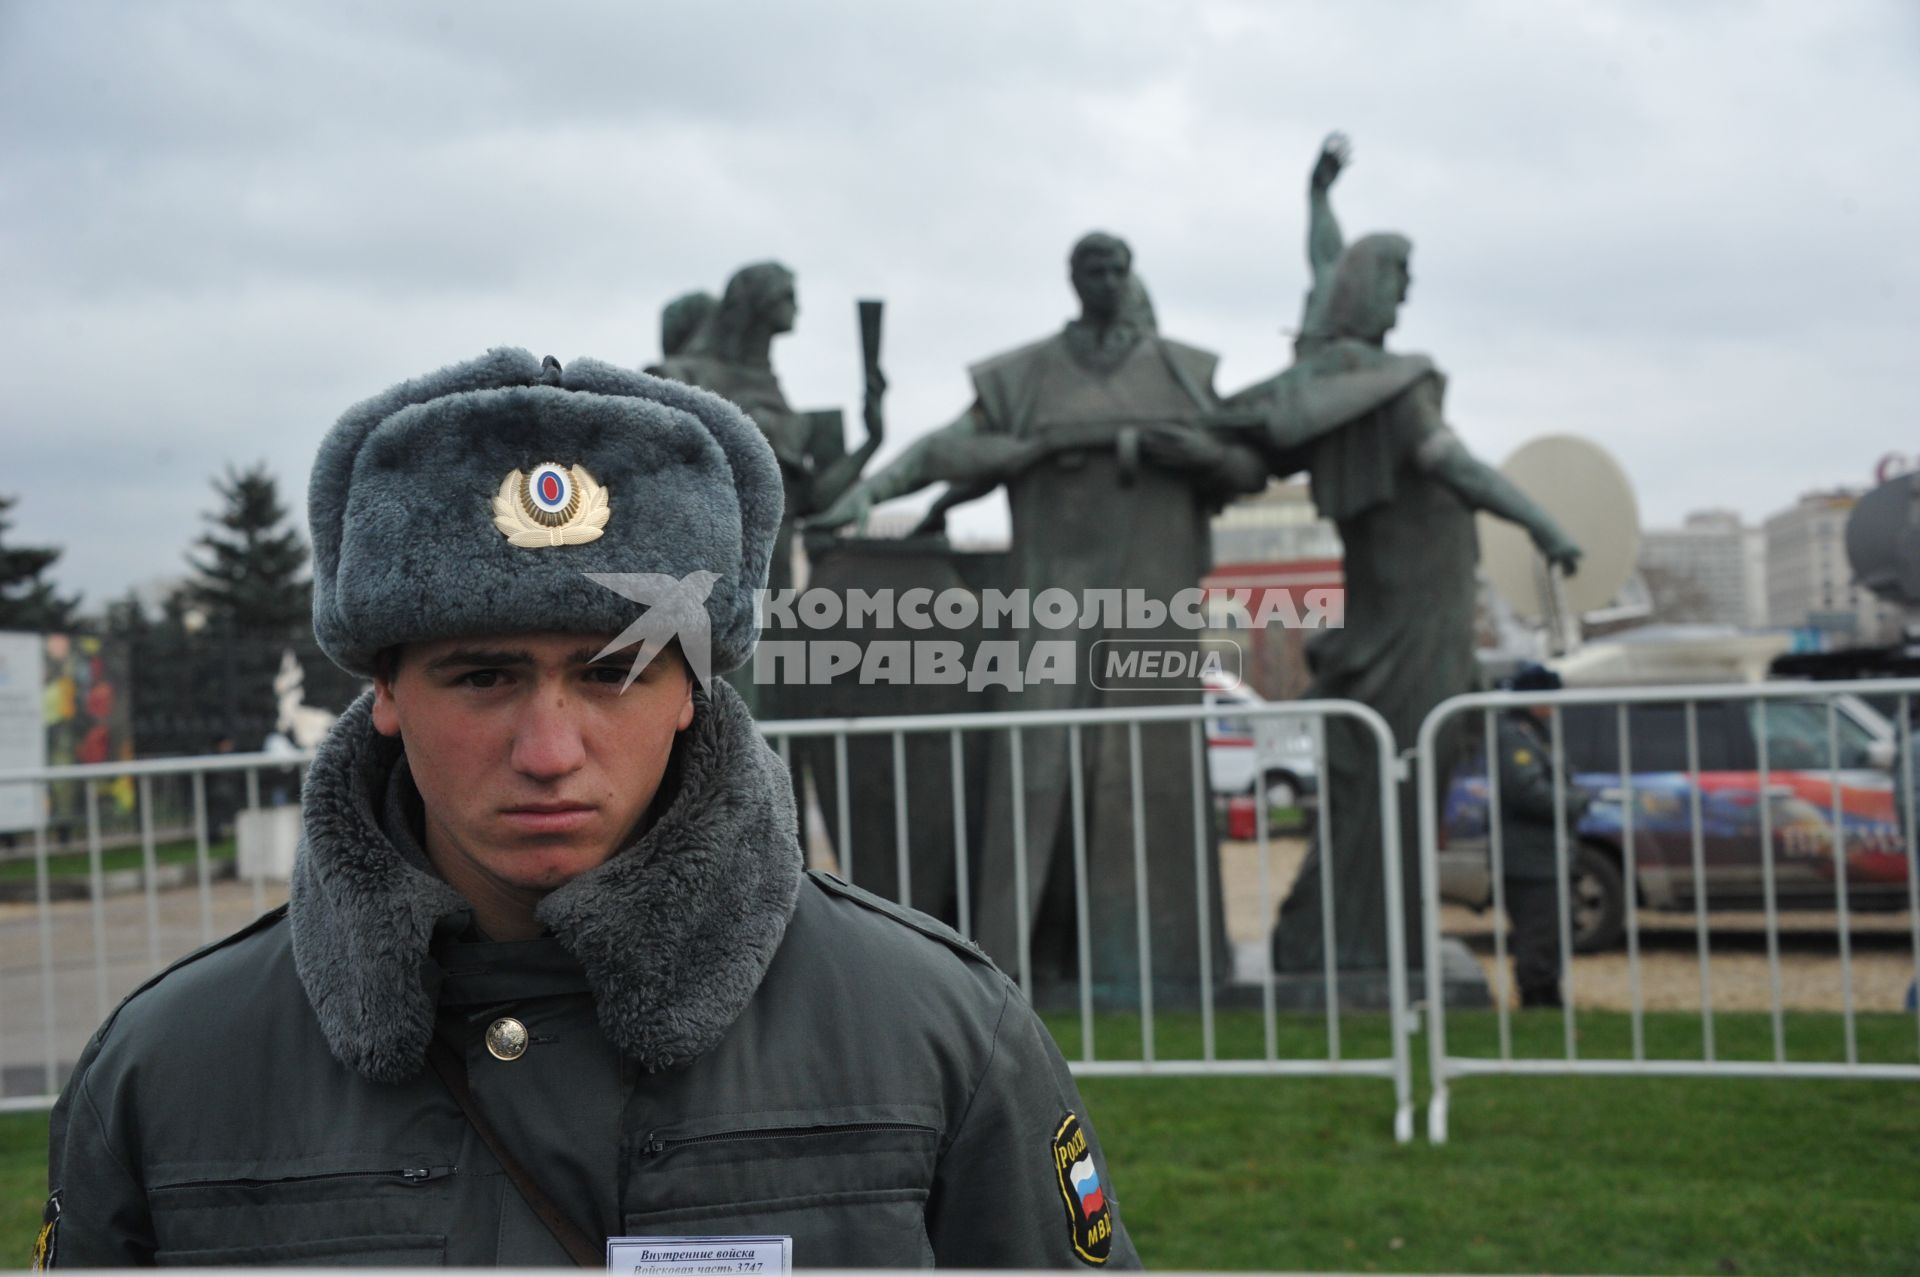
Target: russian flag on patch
{"x":1086,"y":1184}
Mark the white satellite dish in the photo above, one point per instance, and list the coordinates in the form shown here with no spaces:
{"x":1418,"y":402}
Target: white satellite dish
{"x":1587,"y":493}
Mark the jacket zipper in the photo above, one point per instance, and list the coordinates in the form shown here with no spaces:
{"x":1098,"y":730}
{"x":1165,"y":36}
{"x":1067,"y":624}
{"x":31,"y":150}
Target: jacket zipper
{"x":655,"y":1146}
{"x":406,"y":1174}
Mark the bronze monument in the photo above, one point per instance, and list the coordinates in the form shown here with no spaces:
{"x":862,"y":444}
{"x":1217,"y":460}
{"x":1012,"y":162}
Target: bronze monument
{"x":1095,"y":433}
{"x":730,"y":353}
{"x":1367,"y":426}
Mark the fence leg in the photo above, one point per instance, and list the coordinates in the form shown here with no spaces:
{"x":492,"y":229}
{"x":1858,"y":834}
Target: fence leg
{"x":1429,"y":810}
{"x":1397,"y":936}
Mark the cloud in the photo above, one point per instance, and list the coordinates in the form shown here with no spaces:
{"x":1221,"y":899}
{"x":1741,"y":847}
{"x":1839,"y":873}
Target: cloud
{"x":1685,"y":232}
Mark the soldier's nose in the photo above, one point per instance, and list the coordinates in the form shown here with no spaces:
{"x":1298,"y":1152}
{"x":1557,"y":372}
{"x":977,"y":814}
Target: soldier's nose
{"x":546,"y":742}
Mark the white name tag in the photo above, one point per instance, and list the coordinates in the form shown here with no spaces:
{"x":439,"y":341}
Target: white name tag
{"x":700,"y":1254}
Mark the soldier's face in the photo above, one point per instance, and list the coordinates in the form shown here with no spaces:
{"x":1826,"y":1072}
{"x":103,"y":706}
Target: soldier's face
{"x":532,"y":764}
{"x":1100,"y":279}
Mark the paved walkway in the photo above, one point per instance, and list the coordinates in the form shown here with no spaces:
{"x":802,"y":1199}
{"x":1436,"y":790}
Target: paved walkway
{"x":97,"y":960}
{"x":85,"y":989}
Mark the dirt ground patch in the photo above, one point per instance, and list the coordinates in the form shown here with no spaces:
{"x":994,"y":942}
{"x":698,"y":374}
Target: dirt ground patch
{"x":1739,"y":970}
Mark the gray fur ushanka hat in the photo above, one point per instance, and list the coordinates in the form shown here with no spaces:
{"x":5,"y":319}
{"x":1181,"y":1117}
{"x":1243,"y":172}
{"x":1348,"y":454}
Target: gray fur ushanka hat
{"x":414,"y":498}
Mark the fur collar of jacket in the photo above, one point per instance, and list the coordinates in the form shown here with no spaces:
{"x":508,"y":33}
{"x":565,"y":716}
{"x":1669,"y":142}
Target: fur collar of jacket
{"x":674,"y":932}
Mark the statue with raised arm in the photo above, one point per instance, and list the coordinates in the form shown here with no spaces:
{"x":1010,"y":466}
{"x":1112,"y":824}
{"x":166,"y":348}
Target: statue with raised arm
{"x":1367,"y":426}
{"x":1111,"y":481}
{"x":729,"y":351}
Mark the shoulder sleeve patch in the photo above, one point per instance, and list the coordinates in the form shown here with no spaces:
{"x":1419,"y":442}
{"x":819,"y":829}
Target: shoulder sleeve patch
{"x":1089,"y":1214}
{"x":45,"y":1243}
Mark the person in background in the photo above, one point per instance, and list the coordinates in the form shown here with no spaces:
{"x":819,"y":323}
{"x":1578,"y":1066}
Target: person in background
{"x":1529,"y":865}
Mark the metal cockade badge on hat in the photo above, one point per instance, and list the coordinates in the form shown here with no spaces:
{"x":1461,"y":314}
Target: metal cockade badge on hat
{"x":552,"y":505}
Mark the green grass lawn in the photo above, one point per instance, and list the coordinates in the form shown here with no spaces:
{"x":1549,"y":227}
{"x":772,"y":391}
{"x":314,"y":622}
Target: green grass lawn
{"x":73,"y":864}
{"x":1559,"y":1175}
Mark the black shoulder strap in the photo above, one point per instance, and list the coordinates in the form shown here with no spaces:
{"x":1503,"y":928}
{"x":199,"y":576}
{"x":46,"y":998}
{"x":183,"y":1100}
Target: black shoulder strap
{"x":453,"y":1071}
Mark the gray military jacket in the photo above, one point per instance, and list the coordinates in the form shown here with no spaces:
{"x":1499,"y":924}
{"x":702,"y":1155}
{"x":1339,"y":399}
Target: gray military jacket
{"x":717,"y":1045}
{"x":1527,"y":811}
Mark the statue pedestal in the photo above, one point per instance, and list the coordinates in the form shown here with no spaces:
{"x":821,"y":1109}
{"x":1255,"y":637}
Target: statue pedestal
{"x":868,"y":852}
{"x":1463,"y":983}
{"x":983,"y":805}
{"x":266,"y":839}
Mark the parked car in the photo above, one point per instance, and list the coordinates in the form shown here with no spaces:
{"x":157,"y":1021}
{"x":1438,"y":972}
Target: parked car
{"x":1275,"y":757}
{"x":1799,"y":798}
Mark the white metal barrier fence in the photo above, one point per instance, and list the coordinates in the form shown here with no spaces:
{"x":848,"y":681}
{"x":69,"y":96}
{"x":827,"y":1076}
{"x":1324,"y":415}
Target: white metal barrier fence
{"x":1015,"y":727}
{"x":1780,"y":794}
{"x":76,"y":960}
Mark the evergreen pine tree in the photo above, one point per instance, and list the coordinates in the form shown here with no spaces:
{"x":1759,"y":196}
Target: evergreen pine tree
{"x":249,"y":577}
{"x":126,"y":618}
{"x":27,"y":601}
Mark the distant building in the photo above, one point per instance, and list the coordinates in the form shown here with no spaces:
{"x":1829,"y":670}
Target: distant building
{"x":1274,"y":541}
{"x":1809,"y":581}
{"x":1274,"y":659}
{"x":1279,"y":525}
{"x":1701,"y":572}
{"x":1755,"y":542}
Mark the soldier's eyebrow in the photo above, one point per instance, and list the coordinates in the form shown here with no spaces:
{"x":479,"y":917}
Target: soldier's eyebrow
{"x":475,"y":657}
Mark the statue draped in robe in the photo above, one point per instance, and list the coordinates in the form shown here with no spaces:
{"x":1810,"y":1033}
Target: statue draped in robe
{"x":1367,"y":426}
{"x":1094,"y":432}
{"x":729,"y":352}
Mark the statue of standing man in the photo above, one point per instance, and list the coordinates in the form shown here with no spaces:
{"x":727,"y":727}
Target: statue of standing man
{"x":1095,"y":433}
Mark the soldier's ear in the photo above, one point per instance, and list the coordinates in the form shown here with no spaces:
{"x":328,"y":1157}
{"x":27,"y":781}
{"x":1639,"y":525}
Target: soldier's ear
{"x":386,"y":714}
{"x":685,"y":719}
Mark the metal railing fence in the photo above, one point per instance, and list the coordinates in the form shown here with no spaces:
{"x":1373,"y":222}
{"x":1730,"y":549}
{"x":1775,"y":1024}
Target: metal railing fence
{"x":1015,"y":727}
{"x":102,"y":948}
{"x":1691,"y":881}
{"x":120,"y":941}
{"x":107,"y":948}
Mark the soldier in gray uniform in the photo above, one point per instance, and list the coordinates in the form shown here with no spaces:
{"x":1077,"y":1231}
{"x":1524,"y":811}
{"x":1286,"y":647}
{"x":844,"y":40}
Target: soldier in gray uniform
{"x":1527,"y":818}
{"x":551,"y":973}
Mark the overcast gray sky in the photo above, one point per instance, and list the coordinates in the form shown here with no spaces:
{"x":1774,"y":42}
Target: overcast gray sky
{"x":1685,"y":231}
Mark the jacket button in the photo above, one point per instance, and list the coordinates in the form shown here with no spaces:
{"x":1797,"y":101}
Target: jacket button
{"x":506,"y":1038}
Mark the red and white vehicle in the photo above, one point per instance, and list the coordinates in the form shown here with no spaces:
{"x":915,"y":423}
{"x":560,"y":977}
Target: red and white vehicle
{"x":1250,"y":757}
